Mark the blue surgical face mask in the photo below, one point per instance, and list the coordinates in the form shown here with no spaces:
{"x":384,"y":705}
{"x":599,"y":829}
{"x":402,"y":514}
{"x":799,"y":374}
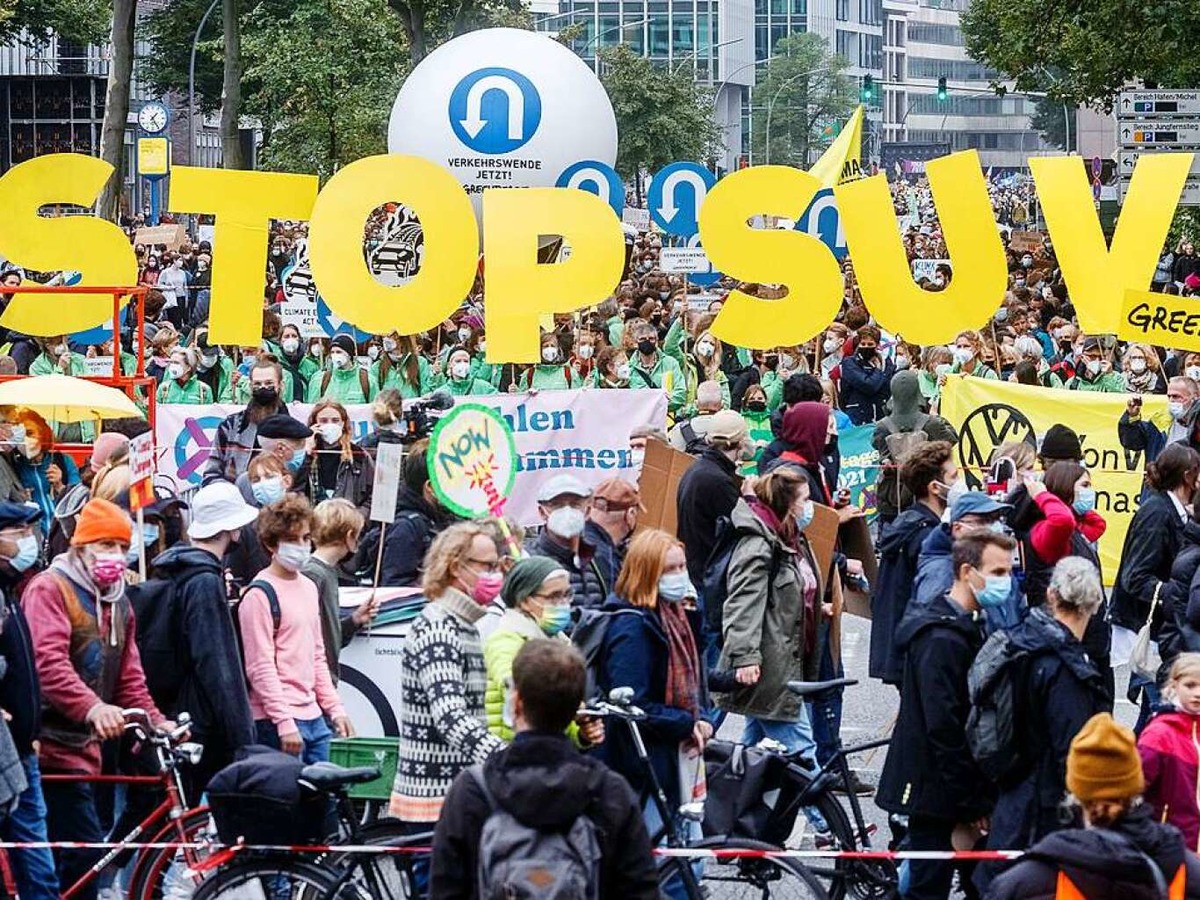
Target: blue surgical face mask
{"x":1085,"y":500}
{"x":804,"y":516}
{"x":297,"y":459}
{"x":995,"y":592}
{"x":27,"y":553}
{"x":675,"y":586}
{"x":268,"y":490}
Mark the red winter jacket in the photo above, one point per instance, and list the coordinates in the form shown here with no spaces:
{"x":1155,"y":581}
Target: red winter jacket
{"x":1051,"y":536}
{"x":1170,"y":751}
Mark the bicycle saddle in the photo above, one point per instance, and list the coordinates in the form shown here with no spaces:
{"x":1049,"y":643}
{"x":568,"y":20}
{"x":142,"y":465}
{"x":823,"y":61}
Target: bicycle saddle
{"x":808,"y":688}
{"x":327,"y":776}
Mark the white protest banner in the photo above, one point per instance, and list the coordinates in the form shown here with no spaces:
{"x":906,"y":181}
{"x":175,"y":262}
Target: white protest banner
{"x":584,"y":431}
{"x":636,"y":218}
{"x":683,"y":259}
{"x":926,"y":268}
{"x":387,"y":482}
{"x":98,"y":365}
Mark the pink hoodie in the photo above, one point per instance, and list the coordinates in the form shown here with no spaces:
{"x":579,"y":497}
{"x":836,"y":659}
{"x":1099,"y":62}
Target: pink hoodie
{"x":1170,"y":751}
{"x":286,"y":670}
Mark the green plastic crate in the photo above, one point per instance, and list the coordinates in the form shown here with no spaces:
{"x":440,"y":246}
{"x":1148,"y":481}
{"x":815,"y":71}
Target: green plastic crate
{"x":367,"y":751}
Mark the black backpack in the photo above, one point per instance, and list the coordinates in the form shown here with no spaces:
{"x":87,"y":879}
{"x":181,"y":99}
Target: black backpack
{"x":588,"y":635}
{"x":714,"y":589}
{"x":994,"y":686}
{"x":361,"y":566}
{"x":160,"y":639}
{"x":272,"y":601}
{"x":694,"y":444}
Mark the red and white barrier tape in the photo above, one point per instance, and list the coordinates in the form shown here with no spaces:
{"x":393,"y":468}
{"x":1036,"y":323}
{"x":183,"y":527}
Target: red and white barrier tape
{"x":367,"y":849}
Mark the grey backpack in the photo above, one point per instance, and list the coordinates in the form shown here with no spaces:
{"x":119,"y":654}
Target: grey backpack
{"x":518,"y":862}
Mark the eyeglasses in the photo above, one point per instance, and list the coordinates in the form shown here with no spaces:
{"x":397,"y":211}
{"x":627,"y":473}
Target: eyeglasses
{"x":488,"y":565}
{"x":558,"y":598}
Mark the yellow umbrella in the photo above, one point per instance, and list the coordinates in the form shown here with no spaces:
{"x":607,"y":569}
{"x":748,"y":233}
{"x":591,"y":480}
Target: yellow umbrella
{"x":61,"y":398}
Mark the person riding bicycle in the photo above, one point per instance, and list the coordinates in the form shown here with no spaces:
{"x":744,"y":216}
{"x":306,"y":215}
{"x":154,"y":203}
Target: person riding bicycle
{"x":82,"y":628}
{"x":544,"y":784}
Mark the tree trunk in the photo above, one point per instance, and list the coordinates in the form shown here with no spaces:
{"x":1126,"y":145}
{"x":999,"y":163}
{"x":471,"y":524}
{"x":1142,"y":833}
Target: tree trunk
{"x":231,"y":87}
{"x":116,"y":107}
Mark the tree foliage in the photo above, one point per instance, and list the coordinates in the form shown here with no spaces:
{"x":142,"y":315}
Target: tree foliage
{"x":1084,"y":53}
{"x":1047,"y":120}
{"x":662,"y":115}
{"x":804,"y":96}
{"x":325,"y":74}
{"x":428,"y":23}
{"x":82,"y":21}
{"x":169,"y":32}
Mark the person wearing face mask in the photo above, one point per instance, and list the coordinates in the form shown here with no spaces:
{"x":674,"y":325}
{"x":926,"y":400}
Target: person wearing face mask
{"x":1094,"y":370}
{"x":403,"y":367}
{"x":181,"y":384}
{"x":583,"y":360}
{"x":344,"y":381}
{"x":287,"y":440}
{"x":460,"y":380}
{"x":237,"y":435}
{"x":298,"y":363}
{"x":213,"y":688}
{"x":340,"y":467}
{"x":1152,"y":434}
{"x":83,"y":632}
{"x":651,"y":370}
{"x":337,"y":526}
{"x":832,"y":345}
{"x":215,"y":368}
{"x":45,"y":473}
{"x":1142,"y":370}
{"x":443,"y":676}
{"x":1187,"y":263}
{"x":292,"y":694}
{"x":968,"y":349}
{"x":758,"y":421}
{"x":650,"y":646}
{"x":612,"y":519}
{"x":552,"y":373}
{"x":897,"y":435}
{"x":772,"y":610}
{"x":701,"y":365}
{"x":612,"y":369}
{"x":537,"y":598}
{"x":564,"y":503}
{"x":20,"y":698}
{"x":927,"y":474}
{"x":419,"y":518}
{"x":866,"y":379}
{"x":1064,"y":690}
{"x":929,"y":774}
{"x":56,"y":358}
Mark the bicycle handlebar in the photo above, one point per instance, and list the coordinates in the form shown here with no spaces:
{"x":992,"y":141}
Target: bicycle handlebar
{"x":139,"y":719}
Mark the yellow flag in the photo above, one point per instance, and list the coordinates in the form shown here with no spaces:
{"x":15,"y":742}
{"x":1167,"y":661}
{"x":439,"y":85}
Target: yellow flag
{"x":843,"y":160}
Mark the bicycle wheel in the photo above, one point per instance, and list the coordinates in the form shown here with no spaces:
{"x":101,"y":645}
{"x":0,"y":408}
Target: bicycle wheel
{"x":160,"y":874}
{"x":269,"y":878}
{"x":389,"y":876}
{"x":861,"y":879}
{"x":728,"y":878}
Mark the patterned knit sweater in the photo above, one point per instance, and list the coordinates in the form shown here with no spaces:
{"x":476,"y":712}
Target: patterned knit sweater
{"x":443,"y":723}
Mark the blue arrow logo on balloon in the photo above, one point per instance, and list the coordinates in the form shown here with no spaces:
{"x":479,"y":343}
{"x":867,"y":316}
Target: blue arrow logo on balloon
{"x":495,"y":110}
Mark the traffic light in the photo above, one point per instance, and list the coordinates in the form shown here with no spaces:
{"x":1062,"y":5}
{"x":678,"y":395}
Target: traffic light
{"x":868,"y":89}
{"x":942,"y":93}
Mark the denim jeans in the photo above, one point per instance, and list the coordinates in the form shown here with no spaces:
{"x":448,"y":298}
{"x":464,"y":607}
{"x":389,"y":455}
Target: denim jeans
{"x":33,"y":869}
{"x":796,"y":736}
{"x":689,"y":830}
{"x":71,"y":816}
{"x":314,"y":734}
{"x":827,"y":711}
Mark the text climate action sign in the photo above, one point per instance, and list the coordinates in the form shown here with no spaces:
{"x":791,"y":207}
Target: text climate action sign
{"x":554,"y":432}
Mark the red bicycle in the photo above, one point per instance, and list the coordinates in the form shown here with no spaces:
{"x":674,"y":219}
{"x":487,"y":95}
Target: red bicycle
{"x":157,"y":871}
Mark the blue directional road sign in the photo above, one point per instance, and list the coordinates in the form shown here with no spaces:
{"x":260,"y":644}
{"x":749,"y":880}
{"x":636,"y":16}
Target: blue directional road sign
{"x":596,"y":178}
{"x":823,"y":221}
{"x":495,"y":110}
{"x":676,"y":194}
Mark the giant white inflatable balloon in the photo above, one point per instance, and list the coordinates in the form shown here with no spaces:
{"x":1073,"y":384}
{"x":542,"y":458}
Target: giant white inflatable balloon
{"x":503,"y":107}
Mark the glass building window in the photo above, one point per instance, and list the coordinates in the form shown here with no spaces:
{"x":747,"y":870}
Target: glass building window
{"x":843,"y":10}
{"x":847,"y":45}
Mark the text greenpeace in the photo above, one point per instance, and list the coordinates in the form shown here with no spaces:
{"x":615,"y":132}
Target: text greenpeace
{"x":556,"y":432}
{"x":519,"y":290}
{"x":990,"y":413}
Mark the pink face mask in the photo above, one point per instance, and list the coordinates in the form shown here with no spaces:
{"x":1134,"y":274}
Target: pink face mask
{"x":487,"y":588}
{"x":109,"y":568}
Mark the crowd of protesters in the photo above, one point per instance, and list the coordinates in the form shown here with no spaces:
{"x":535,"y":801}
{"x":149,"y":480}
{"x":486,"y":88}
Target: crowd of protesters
{"x":966,"y":575}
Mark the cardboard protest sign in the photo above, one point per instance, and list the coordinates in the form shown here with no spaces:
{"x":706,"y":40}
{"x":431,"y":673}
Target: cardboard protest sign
{"x":1161,"y":319}
{"x":1026,"y":241}
{"x":472,"y":461}
{"x":169,"y":235}
{"x":658,"y":484}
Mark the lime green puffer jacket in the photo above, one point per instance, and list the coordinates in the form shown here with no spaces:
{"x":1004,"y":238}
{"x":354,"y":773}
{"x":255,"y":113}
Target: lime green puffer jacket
{"x":499,"y":651}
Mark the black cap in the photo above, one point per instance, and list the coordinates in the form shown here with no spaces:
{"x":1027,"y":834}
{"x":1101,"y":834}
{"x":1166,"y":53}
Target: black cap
{"x":281,"y":426}
{"x":1061,"y":442}
{"x":345,"y":342}
{"x":12,"y":514}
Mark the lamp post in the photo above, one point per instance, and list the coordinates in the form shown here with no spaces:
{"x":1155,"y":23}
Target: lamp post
{"x":192,"y":84}
{"x":720,"y":87}
{"x":771,"y":105}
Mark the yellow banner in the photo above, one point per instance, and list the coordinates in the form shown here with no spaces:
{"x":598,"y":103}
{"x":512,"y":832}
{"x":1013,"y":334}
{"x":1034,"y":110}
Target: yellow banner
{"x":843,"y":160}
{"x":990,"y":413}
{"x":1162,"y":319}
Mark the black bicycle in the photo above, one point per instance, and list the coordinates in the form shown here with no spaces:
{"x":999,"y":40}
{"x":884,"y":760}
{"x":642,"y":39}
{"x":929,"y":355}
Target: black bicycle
{"x":802,"y":785}
{"x":724,"y":873}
